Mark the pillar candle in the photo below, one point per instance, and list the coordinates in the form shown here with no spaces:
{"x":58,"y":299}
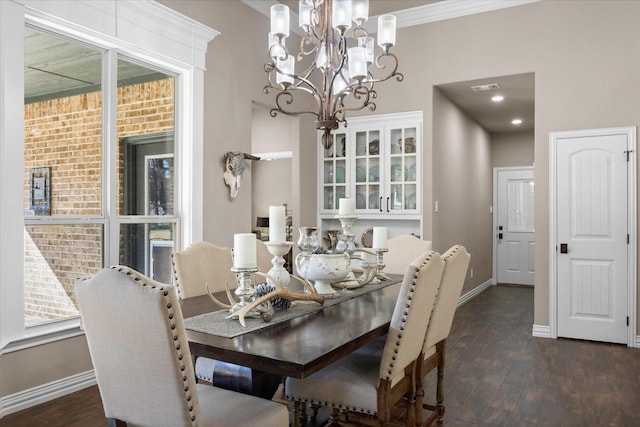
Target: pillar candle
{"x":379,"y":238}
{"x":347,"y":207}
{"x":277,"y":232}
{"x":244,"y":250}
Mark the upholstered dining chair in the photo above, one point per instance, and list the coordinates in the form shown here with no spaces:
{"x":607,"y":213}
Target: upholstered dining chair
{"x":140,"y":353}
{"x":364,"y":389}
{"x":200,"y":265}
{"x":433,"y":352}
{"x":402,"y":249}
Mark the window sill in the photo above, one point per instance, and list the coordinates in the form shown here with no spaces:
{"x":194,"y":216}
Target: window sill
{"x":45,"y":334}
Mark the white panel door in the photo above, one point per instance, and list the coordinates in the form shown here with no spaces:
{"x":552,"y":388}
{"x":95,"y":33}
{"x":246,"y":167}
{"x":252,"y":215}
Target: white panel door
{"x":591,"y":221}
{"x":515,"y":238}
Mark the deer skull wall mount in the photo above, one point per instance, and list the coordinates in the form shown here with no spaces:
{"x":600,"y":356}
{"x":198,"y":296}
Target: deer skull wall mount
{"x":235,"y":165}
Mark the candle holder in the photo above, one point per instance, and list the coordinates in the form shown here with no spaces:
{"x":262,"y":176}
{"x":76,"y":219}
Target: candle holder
{"x":346,"y":242}
{"x":278,"y":272}
{"x":244,"y":291}
{"x":380,"y":263}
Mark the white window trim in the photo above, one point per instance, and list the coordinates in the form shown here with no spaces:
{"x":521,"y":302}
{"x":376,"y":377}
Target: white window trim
{"x":139,"y":28}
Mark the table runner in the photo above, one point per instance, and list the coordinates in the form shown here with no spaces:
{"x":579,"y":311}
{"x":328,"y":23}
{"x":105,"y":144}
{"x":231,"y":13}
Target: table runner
{"x":214,"y":323}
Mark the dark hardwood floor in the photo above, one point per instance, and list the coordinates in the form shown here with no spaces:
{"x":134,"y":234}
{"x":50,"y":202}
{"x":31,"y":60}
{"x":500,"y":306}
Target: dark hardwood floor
{"x":497,"y":374}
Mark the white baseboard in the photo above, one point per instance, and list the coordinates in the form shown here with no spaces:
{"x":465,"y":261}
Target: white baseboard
{"x":473,"y":292}
{"x":637,"y":341}
{"x":46,"y":392}
{"x":541,"y":331}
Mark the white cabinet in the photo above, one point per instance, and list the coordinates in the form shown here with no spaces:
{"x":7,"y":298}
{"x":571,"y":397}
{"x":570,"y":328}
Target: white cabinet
{"x":376,"y":160}
{"x":333,"y":172}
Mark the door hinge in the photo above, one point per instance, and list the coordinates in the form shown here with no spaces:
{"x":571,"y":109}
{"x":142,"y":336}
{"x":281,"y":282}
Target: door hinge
{"x":627,"y":320}
{"x":627,"y":153}
{"x":628,"y":239}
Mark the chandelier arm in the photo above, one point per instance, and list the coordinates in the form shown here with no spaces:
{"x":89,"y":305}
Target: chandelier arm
{"x":304,"y":75}
{"x":337,"y":73}
{"x":289,"y":100}
{"x":304,"y":41}
{"x":357,"y":32}
{"x":274,"y":49}
{"x":299,"y":79}
{"x":364,"y":96}
{"x":380,"y":66}
{"x":313,"y":31}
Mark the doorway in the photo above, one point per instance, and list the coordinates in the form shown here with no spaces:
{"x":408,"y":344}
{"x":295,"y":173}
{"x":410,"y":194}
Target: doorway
{"x":148,"y":182}
{"x":514,"y":240}
{"x":593,"y":234}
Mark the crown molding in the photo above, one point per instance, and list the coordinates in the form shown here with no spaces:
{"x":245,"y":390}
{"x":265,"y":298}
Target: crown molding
{"x":419,"y":15}
{"x":449,"y":9}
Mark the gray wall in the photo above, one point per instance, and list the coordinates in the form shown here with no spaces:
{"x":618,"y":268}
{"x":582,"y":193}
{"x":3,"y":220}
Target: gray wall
{"x":462,"y":186}
{"x":512,"y":149}
{"x":271,"y":180}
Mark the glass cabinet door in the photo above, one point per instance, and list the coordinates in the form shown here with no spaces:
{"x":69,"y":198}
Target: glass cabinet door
{"x":334,"y":171}
{"x":402,"y":169}
{"x":367,"y":172}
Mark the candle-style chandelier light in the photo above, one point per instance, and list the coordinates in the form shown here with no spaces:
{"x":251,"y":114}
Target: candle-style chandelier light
{"x":338,"y":77}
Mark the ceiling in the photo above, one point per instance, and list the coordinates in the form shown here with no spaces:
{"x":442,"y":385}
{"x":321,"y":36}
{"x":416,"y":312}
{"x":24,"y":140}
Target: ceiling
{"x":55,"y":67}
{"x":518,"y":92}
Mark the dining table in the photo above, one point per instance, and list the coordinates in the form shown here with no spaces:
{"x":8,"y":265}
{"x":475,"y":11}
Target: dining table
{"x":299,"y":346}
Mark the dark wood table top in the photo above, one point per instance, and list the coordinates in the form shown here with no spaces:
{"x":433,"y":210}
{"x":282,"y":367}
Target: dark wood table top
{"x":301,"y":346}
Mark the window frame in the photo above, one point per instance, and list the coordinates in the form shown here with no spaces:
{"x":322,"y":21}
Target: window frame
{"x":137,"y":30}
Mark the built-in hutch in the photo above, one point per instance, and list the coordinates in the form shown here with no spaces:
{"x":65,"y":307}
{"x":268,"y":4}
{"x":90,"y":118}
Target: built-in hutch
{"x":377,"y":161}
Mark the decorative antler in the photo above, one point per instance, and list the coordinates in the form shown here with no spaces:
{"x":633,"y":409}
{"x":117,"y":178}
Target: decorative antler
{"x":217,"y":301}
{"x":378,"y":274}
{"x":281,"y":292}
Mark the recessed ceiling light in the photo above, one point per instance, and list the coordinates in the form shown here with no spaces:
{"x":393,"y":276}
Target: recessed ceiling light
{"x":497,"y":98}
{"x":516,"y":121}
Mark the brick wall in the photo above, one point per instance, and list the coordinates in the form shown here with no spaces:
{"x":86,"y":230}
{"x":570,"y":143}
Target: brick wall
{"x":66,"y":135}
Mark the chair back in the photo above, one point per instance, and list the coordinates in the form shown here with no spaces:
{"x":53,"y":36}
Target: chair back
{"x":455,"y":270}
{"x":411,"y":315}
{"x":139,"y":348}
{"x":200,"y":264}
{"x":402,"y":249}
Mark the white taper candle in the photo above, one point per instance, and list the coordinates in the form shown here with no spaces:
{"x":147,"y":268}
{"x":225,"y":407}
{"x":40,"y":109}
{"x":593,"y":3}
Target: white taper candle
{"x":379,"y":238}
{"x":346,"y":206}
{"x":277,"y":232}
{"x":244,"y":250}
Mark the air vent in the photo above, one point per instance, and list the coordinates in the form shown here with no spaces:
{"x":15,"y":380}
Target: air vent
{"x":490,"y":86}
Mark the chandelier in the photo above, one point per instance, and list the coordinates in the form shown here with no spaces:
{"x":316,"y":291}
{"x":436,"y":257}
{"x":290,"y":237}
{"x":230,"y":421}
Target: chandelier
{"x":337,"y":77}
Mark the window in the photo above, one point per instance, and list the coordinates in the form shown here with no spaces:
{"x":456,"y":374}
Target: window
{"x":109,"y":170}
{"x":67,"y":233}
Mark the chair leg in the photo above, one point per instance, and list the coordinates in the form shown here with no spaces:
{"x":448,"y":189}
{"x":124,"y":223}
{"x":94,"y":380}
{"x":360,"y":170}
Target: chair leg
{"x":295,"y":414}
{"x":419,"y":418}
{"x":411,"y":410}
{"x":440,"y":347}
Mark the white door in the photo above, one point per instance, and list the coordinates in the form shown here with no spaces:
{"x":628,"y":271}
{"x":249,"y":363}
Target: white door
{"x":591,"y":223}
{"x":515,"y":232}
